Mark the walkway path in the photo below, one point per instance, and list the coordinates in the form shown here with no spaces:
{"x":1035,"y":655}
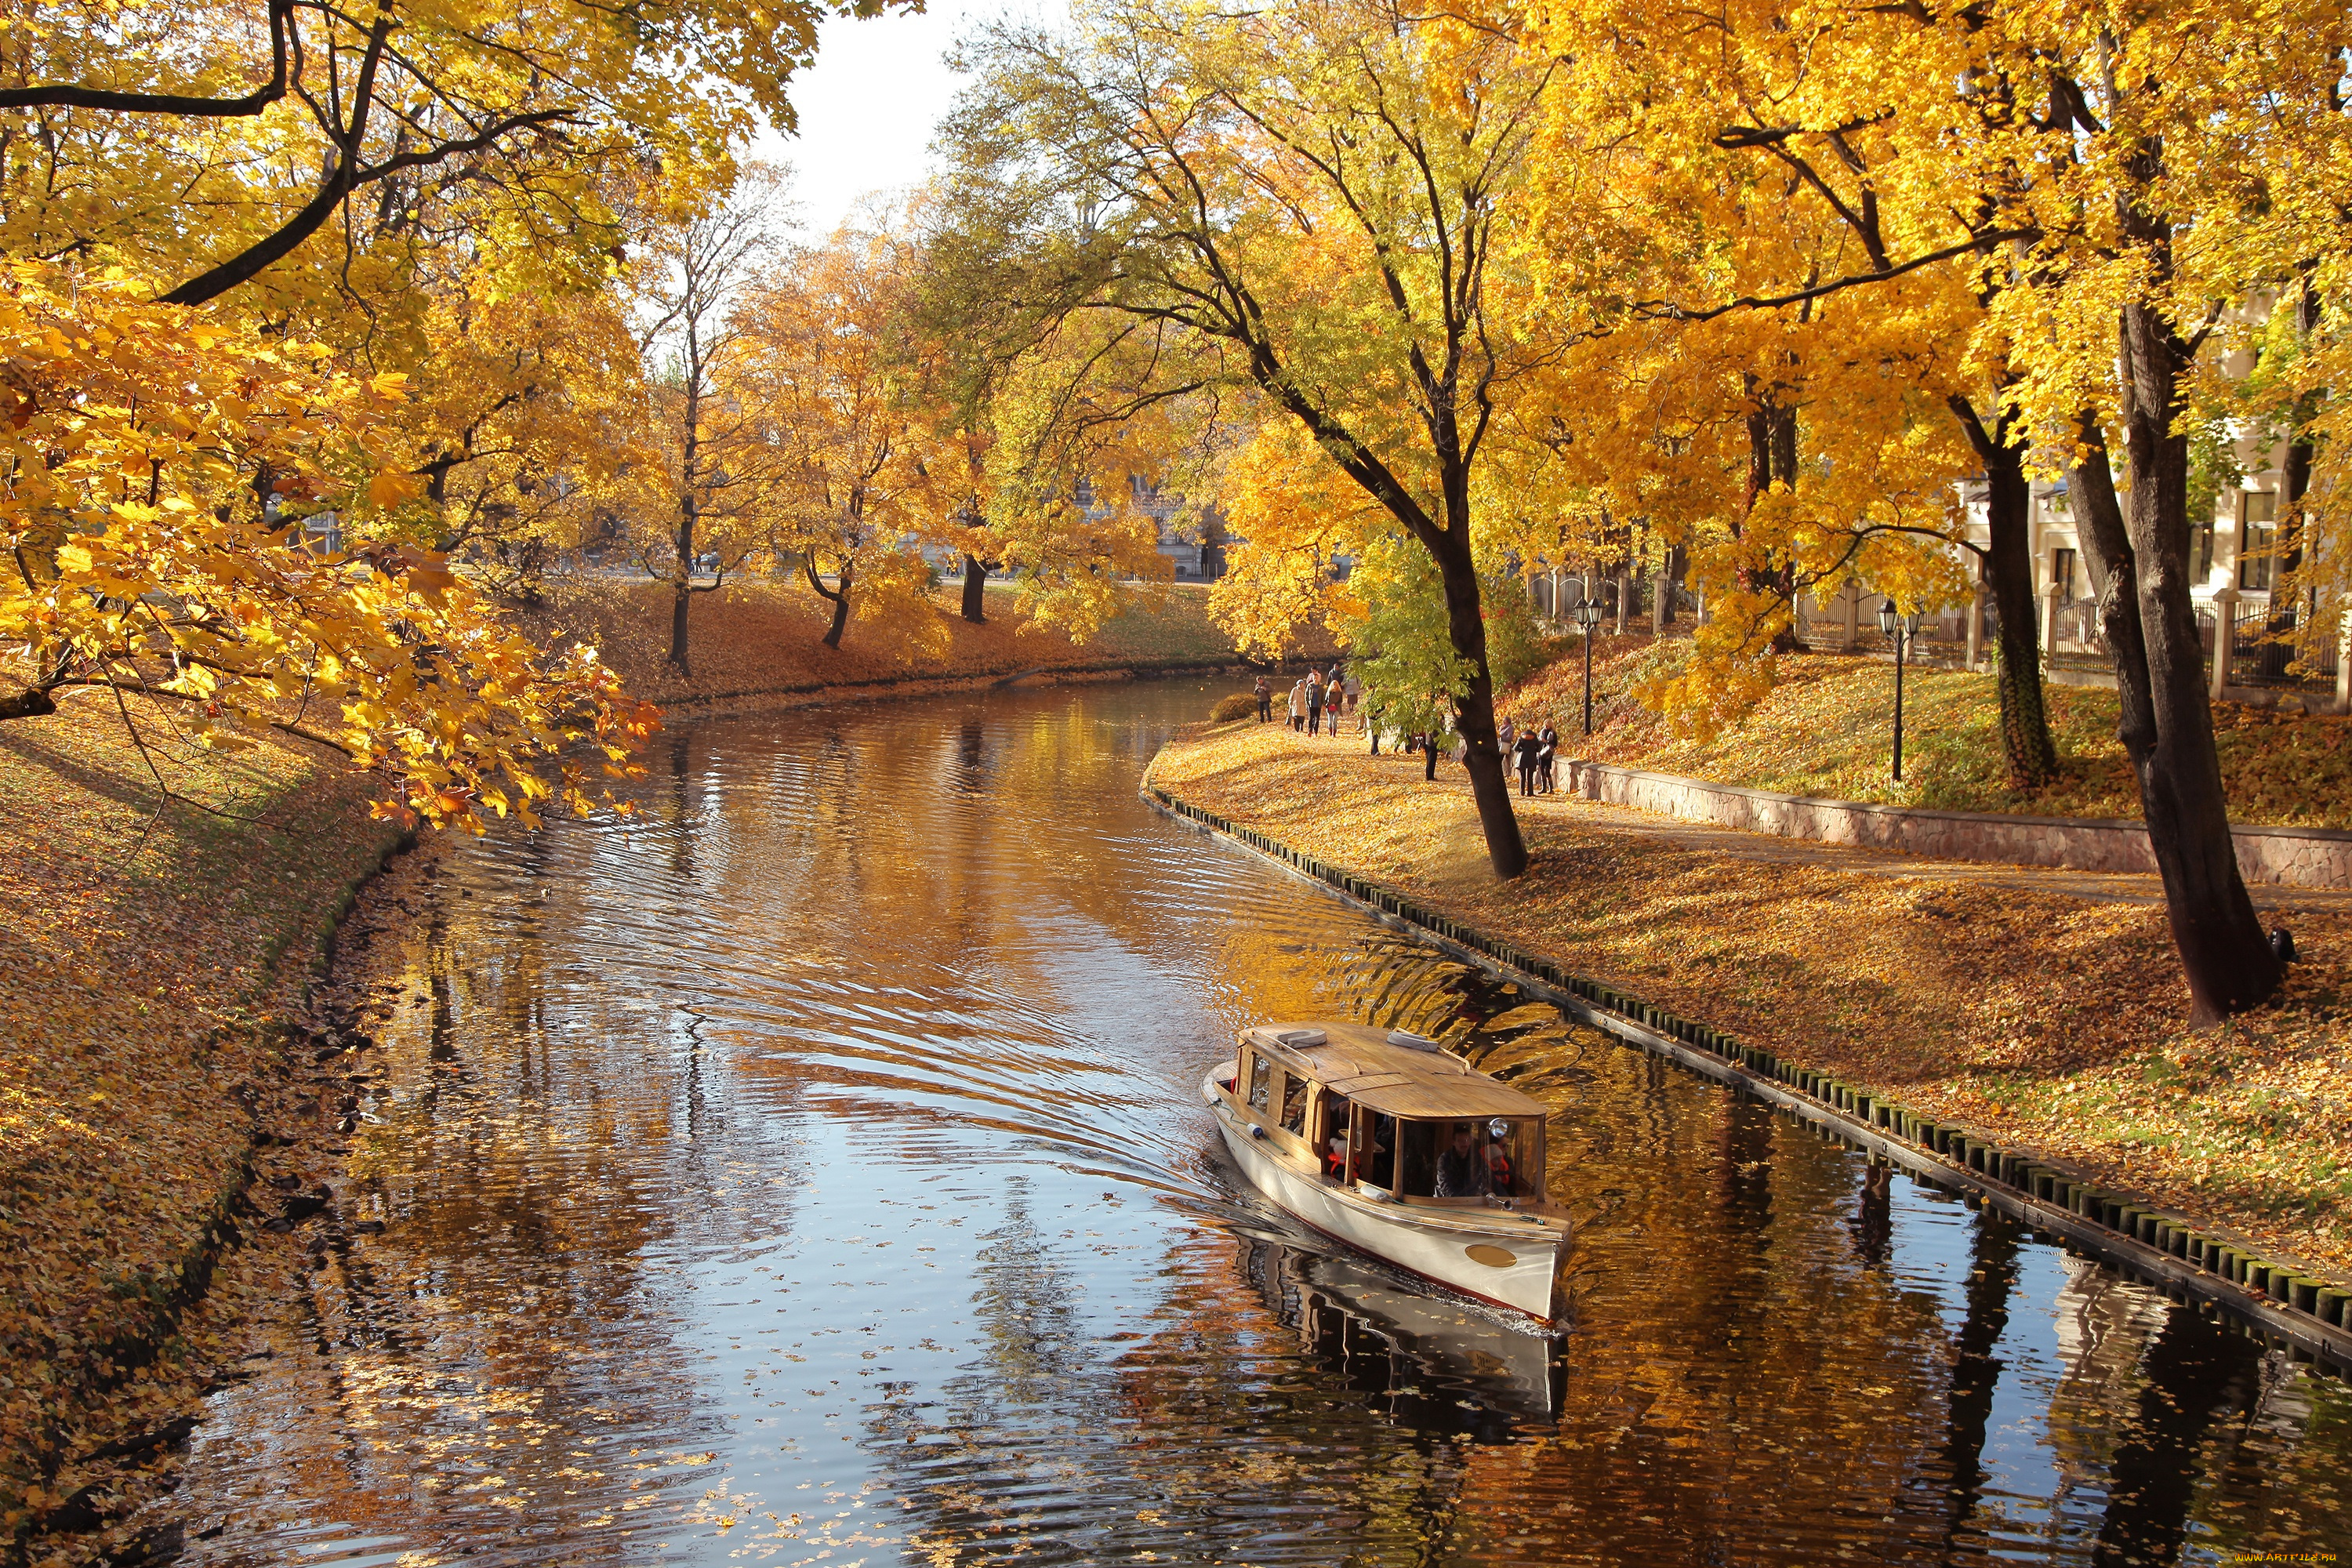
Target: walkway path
{"x":2095,"y":887}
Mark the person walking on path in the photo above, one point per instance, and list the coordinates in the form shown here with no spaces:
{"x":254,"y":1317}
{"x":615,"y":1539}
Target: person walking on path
{"x":1523,"y":753}
{"x":1298,"y":705}
{"x":1356,"y":693}
{"x":1548,"y":740}
{"x":1505,"y":735}
{"x":1314,"y":700}
{"x":1265,"y":690}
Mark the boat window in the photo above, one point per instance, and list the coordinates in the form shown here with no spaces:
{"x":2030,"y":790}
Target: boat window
{"x":1463,"y":1170}
{"x":1511,"y":1157}
{"x":1416,"y":1159}
{"x":1380,"y":1152}
{"x":1261,"y":1082}
{"x":1337,"y":1116}
{"x":1294,"y":1104}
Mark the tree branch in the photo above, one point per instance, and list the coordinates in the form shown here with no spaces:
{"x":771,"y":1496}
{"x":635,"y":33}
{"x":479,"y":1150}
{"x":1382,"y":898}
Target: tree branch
{"x":64,"y":95}
{"x":1667,"y":309}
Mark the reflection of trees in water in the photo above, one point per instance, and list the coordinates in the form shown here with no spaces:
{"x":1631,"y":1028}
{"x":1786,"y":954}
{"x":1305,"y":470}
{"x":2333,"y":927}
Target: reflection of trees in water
{"x":1736,"y":1389}
{"x":1975,"y":1370}
{"x":2198,"y":1376}
{"x":2168,"y":1425}
{"x":1204,"y":1435}
{"x":492,"y":1355}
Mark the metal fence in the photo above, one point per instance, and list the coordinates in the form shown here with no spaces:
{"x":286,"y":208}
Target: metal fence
{"x":2262,"y":653}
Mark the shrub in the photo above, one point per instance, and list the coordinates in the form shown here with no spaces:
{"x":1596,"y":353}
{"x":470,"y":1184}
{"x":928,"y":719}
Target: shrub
{"x":1240,"y":705}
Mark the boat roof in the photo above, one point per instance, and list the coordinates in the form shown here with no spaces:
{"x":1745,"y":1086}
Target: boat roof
{"x":1391,"y":1072}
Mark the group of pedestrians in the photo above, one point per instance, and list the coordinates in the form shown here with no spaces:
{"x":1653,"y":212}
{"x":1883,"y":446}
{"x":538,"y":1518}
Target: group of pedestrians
{"x":1531,"y":751}
{"x":1317,"y":700}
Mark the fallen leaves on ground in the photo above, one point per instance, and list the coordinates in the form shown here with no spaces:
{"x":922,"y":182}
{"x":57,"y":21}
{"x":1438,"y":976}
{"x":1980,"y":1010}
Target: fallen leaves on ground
{"x":2049,"y":1021}
{"x":144,"y":957}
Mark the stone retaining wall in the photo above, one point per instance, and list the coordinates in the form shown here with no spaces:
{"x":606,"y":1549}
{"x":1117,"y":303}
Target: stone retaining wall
{"x":2288,"y":856}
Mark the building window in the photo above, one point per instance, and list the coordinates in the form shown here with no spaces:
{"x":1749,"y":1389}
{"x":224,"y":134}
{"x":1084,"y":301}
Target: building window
{"x":2200,"y":552}
{"x":2061,"y":576}
{"x":2257,"y":536}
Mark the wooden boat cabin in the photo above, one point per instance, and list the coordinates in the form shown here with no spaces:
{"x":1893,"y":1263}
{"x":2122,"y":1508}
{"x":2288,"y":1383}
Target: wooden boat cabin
{"x":1388,"y":1116}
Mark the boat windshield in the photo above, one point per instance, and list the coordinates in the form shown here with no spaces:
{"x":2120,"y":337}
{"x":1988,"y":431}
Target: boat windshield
{"x":1261,"y":1082}
{"x":1485,"y":1157}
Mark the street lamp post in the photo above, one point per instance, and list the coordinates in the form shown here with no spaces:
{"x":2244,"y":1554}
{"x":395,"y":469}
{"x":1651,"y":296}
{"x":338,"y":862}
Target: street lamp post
{"x":1588,"y":616}
{"x":1900,"y":628}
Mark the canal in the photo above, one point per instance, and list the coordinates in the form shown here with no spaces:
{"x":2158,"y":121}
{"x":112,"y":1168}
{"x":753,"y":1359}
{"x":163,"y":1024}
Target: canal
{"x":812,"y":1169}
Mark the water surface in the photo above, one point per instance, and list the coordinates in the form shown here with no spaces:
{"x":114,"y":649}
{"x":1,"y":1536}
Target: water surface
{"x":812,"y":1170}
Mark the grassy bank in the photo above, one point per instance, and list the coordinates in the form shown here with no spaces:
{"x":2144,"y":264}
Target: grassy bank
{"x":1825,"y":730}
{"x":2046,"y":1022}
{"x":762,"y":636}
{"x":144,"y":957}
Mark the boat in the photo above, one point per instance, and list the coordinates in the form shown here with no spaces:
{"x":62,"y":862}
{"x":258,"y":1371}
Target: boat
{"x":1381,"y":1140}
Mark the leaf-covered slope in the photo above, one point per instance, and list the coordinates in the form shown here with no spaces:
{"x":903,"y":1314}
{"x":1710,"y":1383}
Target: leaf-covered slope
{"x":1826,"y":730}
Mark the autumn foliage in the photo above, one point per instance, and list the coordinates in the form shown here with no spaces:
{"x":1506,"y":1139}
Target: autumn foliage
{"x":161,"y":465}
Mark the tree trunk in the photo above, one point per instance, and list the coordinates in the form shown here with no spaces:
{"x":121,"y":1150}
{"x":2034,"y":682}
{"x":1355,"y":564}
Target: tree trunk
{"x":684,"y":585}
{"x":975,"y":589}
{"x":2025,"y":741}
{"x":840,"y":610}
{"x":683,"y":597}
{"x":840,"y":595}
{"x":2302,"y":453}
{"x":2167,"y":725}
{"x":1772,"y":458}
{"x":1473,"y":710}
{"x":2027,"y":748}
{"x":689,"y":460}
{"x":31,"y":703}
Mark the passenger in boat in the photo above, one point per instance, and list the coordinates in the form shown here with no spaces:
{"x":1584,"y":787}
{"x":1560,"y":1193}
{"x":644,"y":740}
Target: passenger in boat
{"x":1499,"y":1168}
{"x":1462,"y":1171}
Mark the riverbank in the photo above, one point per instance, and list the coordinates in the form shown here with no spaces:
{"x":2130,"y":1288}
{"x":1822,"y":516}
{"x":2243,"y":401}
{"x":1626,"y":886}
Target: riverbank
{"x":1826,"y":730}
{"x":148,"y":959}
{"x":759,"y":644}
{"x":2048,"y":1023}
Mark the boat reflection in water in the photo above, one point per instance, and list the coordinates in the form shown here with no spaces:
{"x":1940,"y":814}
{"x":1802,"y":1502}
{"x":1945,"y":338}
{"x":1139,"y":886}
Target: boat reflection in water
{"x":1428,"y":1361}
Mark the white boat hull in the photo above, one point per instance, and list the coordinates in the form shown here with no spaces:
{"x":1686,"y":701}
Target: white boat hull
{"x":1493,"y":1256}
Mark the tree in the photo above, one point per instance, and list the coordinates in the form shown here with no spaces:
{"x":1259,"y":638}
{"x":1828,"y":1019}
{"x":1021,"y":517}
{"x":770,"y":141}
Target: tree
{"x":132,"y":142}
{"x":2128,"y":184}
{"x":1401,"y":645}
{"x":824,"y":380}
{"x":2164,"y":195}
{"x":707,"y":460}
{"x":517,"y":421}
{"x":160,"y":468}
{"x":1304,"y":201}
{"x":1776,"y":446}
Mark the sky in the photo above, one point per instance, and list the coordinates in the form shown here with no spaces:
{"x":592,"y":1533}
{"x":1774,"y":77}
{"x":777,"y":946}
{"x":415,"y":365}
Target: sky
{"x":868,"y":107}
